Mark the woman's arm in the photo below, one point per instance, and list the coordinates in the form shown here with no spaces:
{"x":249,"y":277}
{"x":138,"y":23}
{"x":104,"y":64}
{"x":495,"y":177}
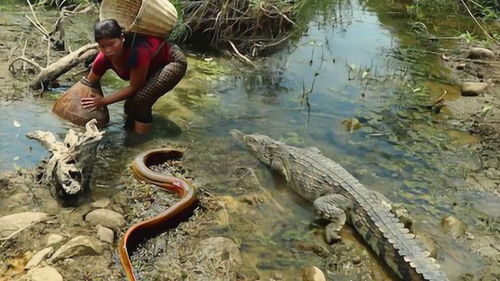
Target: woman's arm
{"x":93,"y":78}
{"x":138,"y":77}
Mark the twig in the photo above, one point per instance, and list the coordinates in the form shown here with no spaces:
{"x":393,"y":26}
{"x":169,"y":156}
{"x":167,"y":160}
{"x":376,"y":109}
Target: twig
{"x":482,"y":28}
{"x":48,"y":53}
{"x":240,"y":55}
{"x":12,"y":235}
{"x":23,"y":53}
{"x":41,"y":29}
{"x":23,"y":58}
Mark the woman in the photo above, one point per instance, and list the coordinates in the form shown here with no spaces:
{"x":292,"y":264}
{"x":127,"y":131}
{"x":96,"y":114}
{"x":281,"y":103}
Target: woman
{"x":152,"y":66}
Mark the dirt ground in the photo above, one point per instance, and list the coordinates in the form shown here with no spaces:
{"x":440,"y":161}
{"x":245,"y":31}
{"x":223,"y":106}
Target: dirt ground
{"x":480,"y":115}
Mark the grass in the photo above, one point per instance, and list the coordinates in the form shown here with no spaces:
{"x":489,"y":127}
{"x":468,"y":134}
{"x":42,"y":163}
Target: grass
{"x":428,"y":9}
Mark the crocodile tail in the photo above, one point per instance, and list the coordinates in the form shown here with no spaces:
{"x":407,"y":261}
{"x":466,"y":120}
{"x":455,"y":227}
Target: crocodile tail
{"x":392,"y":242}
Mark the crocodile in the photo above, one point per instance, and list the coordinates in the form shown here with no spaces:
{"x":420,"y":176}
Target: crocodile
{"x":338,"y":197}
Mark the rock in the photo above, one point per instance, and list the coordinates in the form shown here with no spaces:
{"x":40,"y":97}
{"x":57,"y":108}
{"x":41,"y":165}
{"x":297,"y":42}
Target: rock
{"x":428,"y":243}
{"x":313,"y":273}
{"x":316,"y":248}
{"x":215,"y":258}
{"x":402,"y":214}
{"x":101,"y":203}
{"x":15,"y":222}
{"x":78,"y":246}
{"x":38,"y":257}
{"x":461,"y":66}
{"x":471,"y":89}
{"x":481,"y":53}
{"x":106,"y":218}
{"x":105,"y":234}
{"x":54,"y":239}
{"x":278,"y":276}
{"x":453,"y":226}
{"x":45,"y":273}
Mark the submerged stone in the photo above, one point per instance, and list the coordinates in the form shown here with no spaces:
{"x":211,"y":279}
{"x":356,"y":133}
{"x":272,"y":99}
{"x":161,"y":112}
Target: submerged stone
{"x":79,"y":246}
{"x":471,"y":89}
{"x":106,"y":218}
{"x":313,"y":273}
{"x":44,"y":274}
{"x":481,"y":53}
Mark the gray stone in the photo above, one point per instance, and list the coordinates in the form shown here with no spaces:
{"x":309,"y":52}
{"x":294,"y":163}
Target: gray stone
{"x":39,"y":257}
{"x":45,"y":273}
{"x":105,"y":234}
{"x":78,"y":246}
{"x":428,"y":243}
{"x":106,"y":218}
{"x":11,"y":223}
{"x":481,"y":53}
{"x":453,"y":226}
{"x":101,"y":203}
{"x":471,"y":89}
{"x":54,"y":239}
{"x":313,"y":273}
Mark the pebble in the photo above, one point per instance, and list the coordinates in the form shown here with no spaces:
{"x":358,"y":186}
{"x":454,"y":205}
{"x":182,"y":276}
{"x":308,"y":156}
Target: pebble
{"x":78,"y":246}
{"x":470,"y":89}
{"x":12,"y":223}
{"x":453,"y":226}
{"x":481,"y":53}
{"x":105,"y":234}
{"x":101,"y":203}
{"x":39,"y":257}
{"x":313,"y":273}
{"x":44,"y":274}
{"x":54,"y":239}
{"x":106,"y":218}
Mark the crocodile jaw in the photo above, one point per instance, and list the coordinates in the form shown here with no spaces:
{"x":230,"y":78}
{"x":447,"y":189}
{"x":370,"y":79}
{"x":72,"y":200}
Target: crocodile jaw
{"x":264,"y":147}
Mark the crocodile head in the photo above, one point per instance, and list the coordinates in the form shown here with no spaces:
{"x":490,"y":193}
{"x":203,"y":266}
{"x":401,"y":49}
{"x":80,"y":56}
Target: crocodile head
{"x":264,"y":147}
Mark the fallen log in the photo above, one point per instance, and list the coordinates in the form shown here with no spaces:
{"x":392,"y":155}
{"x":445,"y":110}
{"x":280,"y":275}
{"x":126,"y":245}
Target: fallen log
{"x":58,"y":68}
{"x":69,"y":167}
{"x":63,"y":65}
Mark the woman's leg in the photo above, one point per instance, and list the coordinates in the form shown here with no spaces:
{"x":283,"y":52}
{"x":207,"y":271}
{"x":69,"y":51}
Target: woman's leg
{"x":138,"y":107}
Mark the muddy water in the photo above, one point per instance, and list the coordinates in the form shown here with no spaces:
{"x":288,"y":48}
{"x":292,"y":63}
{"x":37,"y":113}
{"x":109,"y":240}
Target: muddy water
{"x":354,"y":59}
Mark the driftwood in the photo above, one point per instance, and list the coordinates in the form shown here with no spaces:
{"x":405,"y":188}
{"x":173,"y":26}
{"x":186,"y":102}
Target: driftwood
{"x":54,"y":70}
{"x":69,"y":167}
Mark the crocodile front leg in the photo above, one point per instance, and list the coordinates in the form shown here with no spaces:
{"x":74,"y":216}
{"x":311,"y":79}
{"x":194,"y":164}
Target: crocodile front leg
{"x":331,"y":207}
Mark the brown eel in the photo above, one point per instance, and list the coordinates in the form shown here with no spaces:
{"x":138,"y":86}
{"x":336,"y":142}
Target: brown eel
{"x":181,"y":188}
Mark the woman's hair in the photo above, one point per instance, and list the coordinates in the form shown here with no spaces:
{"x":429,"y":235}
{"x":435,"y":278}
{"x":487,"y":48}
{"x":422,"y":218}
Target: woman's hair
{"x":107,"y":29}
{"x":110,"y":29}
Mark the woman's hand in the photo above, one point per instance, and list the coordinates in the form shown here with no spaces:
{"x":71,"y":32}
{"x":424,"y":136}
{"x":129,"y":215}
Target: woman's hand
{"x":93,"y":102}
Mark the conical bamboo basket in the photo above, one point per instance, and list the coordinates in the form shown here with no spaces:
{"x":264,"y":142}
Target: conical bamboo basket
{"x":69,"y":106}
{"x":149,"y":17}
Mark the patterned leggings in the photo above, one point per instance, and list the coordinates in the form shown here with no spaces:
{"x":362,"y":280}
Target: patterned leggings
{"x":138,"y":107}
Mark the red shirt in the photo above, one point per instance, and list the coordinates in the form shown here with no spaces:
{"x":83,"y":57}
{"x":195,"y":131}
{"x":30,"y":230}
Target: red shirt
{"x":145,"y":51}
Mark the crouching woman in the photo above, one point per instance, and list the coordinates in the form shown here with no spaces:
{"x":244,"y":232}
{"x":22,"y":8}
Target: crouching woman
{"x":152,"y":66}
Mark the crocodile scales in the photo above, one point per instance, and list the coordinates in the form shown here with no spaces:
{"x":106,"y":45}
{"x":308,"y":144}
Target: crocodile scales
{"x":339,"y":197}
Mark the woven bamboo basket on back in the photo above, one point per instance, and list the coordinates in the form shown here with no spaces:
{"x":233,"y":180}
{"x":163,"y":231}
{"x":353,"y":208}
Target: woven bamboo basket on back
{"x":149,"y":17}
